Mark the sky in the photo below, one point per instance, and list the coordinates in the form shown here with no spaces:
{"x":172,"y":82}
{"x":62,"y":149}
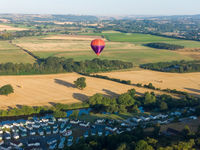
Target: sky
{"x":102,"y":7}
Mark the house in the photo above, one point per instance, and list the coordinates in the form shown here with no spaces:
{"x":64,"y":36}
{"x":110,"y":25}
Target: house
{"x":22,"y":129}
{"x":1,"y":136}
{"x":16,"y":124}
{"x":51,"y":141}
{"x":15,"y":129}
{"x":69,"y":126}
{"x":5,"y":147}
{"x":62,"y":130}
{"x":93,"y":132}
{"x":23,"y":134}
{"x":70,"y":138}
{"x":43,"y":124}
{"x":32,"y":132}
{"x":33,"y":144}
{"x":7,"y":135}
{"x":62,"y":142}
{"x":29,"y":126}
{"x":100,"y":132}
{"x":45,"y":120}
{"x":63,"y":119}
{"x":119,"y":132}
{"x":51,"y":121}
{"x":111,"y":129}
{"x":48,"y":131}
{"x":29,"y":122}
{"x":36,"y":125}
{"x":16,"y":144}
{"x":8,"y":126}
{"x":62,"y":125}
{"x":107,"y":133}
{"x":67,"y":133}
{"x":136,"y":119}
{"x":75,"y":122}
{"x":193,"y":117}
{"x":99,"y":121}
{"x":55,"y":126}
{"x":69,"y":143}
{"x":53,"y":146}
{"x":84,"y":124}
{"x":16,"y":136}
{"x":55,"y":130}
{"x":86,"y":134}
{"x":40,"y":131}
{"x":1,"y":142}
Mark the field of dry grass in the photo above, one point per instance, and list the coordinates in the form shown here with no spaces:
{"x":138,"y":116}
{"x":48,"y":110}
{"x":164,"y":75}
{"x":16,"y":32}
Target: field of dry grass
{"x":63,"y":43}
{"x":10,"y":28}
{"x":189,"y":82}
{"x":40,"y":90}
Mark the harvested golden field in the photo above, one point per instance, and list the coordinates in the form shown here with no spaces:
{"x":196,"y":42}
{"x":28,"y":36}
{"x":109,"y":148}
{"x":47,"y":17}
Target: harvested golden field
{"x":10,"y":28}
{"x":47,"y":89}
{"x":189,"y":82}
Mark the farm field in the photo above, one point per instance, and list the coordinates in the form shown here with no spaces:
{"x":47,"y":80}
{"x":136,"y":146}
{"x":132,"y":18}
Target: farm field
{"x":137,"y":38}
{"x":78,"y":47}
{"x":10,"y":53}
{"x":58,"y":88}
{"x":10,"y":28}
{"x":189,"y":82}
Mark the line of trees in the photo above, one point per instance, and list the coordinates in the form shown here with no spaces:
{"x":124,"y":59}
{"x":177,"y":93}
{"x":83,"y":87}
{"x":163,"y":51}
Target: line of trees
{"x":139,"y":139}
{"x":62,"y":65}
{"x":164,"y":46}
{"x":174,"y":66}
{"x":129,"y":102}
{"x":107,"y":78}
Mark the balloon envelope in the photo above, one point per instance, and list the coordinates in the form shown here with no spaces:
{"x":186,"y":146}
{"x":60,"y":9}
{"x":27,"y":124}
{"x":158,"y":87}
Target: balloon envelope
{"x":98,"y":46}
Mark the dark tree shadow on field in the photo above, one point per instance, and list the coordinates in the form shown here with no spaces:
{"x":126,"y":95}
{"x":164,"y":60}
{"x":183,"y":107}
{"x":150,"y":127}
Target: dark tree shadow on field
{"x":52,"y":103}
{"x":64,"y":83}
{"x":110,"y":93}
{"x":81,"y":97}
{"x":193,"y":90}
{"x":19,"y":106}
{"x":139,"y":94}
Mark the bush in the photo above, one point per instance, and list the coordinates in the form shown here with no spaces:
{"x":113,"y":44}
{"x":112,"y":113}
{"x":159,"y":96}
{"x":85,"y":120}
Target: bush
{"x":6,"y":89}
{"x":80,"y":83}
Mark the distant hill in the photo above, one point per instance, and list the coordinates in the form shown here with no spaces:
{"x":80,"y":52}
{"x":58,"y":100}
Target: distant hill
{"x":38,"y":17}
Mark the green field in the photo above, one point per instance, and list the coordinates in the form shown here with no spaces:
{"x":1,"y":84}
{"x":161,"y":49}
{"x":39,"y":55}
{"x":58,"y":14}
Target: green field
{"x":137,"y":38}
{"x":120,"y":46}
{"x":10,"y":53}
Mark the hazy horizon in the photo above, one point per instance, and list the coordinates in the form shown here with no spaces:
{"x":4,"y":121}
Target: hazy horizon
{"x":101,"y":8}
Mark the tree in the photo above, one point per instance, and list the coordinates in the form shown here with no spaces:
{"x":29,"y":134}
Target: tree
{"x":132,"y":93}
{"x":163,"y":106}
{"x":80,"y":83}
{"x":6,"y":89}
{"x":59,"y":114}
{"x":74,"y":115}
{"x":143,"y":145}
{"x":122,"y":146}
{"x":125,"y":99}
{"x":149,"y":98}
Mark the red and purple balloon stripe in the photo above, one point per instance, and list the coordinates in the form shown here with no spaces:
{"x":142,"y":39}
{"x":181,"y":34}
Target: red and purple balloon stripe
{"x":98,"y":45}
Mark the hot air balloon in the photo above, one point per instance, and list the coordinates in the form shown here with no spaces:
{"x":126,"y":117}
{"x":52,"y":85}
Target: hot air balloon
{"x":98,"y":46}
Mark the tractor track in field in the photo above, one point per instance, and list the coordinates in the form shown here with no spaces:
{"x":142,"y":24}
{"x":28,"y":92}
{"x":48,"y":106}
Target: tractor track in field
{"x":26,"y":51}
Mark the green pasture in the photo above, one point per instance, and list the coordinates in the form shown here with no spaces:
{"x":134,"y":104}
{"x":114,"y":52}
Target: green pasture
{"x":10,"y":53}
